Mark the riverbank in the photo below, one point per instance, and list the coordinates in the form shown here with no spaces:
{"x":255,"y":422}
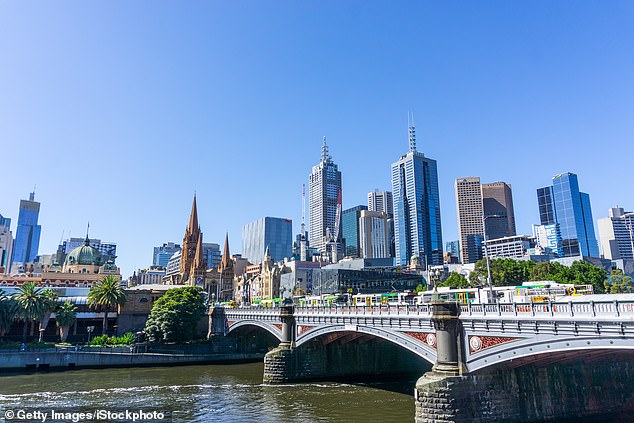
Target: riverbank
{"x":24,"y":361}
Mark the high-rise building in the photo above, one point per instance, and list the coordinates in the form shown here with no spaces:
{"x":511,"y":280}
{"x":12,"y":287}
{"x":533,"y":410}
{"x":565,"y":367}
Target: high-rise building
{"x":27,"y":236}
{"x":497,"y":200}
{"x":616,"y":233}
{"x":474,"y":202}
{"x":374,"y":234}
{"x":380,"y":201}
{"x":470,"y":210}
{"x":453,"y":248}
{"x":417,"y":226}
{"x":5,"y":221}
{"x":6,"y":244}
{"x":274,"y":233}
{"x":163,"y":253}
{"x":324,"y":189}
{"x":211,"y":254}
{"x":564,"y":204}
{"x":549,"y":236}
{"x":350,"y":230}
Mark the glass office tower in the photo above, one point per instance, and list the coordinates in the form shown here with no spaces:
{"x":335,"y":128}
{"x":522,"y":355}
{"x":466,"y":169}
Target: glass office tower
{"x":563,"y":204}
{"x":27,"y":237}
{"x":416,"y":200}
{"x":272,"y":232}
{"x":350,"y":230}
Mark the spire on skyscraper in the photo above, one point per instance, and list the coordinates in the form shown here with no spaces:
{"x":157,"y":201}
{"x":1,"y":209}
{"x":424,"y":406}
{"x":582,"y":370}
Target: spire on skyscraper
{"x":325,"y":157}
{"x":411,"y":132}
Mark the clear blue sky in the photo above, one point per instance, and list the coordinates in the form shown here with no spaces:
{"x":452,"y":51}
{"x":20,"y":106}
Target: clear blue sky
{"x":120,"y":110}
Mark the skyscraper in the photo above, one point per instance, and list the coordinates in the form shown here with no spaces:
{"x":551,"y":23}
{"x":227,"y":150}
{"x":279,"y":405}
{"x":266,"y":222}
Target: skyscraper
{"x":563,"y":204}
{"x":470,"y":210}
{"x":163,"y":253}
{"x":274,"y":233}
{"x":497,"y":200}
{"x":616,"y":233}
{"x":350,"y":230}
{"x":380,"y":201}
{"x":324,"y":188}
{"x":5,"y":221}
{"x":475,"y":201}
{"x":6,"y":244}
{"x":27,"y":237}
{"x":417,"y":227}
{"x":374,"y":234}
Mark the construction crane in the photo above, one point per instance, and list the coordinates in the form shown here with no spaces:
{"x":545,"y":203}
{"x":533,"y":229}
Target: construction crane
{"x":302,"y":239}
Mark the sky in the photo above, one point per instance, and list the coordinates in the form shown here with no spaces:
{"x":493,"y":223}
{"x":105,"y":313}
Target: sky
{"x":118,"y":112}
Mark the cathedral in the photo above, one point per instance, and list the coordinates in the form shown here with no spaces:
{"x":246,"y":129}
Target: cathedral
{"x":193,"y":266}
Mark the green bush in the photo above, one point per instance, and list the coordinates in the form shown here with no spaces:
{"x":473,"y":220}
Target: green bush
{"x":105,"y":341}
{"x":100,"y":340}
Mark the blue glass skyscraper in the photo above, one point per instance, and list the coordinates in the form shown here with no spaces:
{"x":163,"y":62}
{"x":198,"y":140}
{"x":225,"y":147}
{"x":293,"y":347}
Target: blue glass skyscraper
{"x":350,"y":230}
{"x":27,"y":237}
{"x":563,"y":204}
{"x":272,"y":232}
{"x":416,"y":202}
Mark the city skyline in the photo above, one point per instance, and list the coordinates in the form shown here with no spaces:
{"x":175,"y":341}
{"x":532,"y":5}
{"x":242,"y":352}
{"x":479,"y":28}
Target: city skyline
{"x":114,"y":120}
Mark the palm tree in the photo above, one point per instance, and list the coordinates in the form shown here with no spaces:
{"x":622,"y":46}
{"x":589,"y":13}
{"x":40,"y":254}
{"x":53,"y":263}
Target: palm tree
{"x":106,"y":294}
{"x":8,"y":312}
{"x":50,"y":304}
{"x":31,"y":304}
{"x":65,"y":317}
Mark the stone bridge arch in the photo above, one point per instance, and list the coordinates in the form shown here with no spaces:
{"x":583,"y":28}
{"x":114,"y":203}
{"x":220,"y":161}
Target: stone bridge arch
{"x":270,"y":328}
{"x":410,"y":341}
{"x":543,"y":348}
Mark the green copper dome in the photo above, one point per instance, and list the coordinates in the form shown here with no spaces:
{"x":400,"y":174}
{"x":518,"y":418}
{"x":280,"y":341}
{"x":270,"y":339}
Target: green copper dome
{"x":84,"y":255}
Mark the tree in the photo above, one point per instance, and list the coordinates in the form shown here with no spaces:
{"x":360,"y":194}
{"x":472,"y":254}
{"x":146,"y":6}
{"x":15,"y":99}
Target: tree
{"x":419,"y":288}
{"x":587,"y":274}
{"x":49,"y":305}
{"x":65,"y":317}
{"x":8,"y":312}
{"x":618,"y":283}
{"x":106,"y":295}
{"x":503,"y":272}
{"x":175,"y":315}
{"x":455,"y":280}
{"x":31,"y":305}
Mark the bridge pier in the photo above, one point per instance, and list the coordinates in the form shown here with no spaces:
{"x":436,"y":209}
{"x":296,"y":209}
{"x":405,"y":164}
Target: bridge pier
{"x":565,"y":388}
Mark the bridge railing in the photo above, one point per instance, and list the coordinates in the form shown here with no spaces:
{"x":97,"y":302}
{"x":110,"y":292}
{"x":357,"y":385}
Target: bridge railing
{"x":569,"y":309}
{"x":608,"y":309}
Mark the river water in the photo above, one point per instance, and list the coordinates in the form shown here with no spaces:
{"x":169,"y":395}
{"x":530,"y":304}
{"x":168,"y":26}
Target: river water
{"x":213,"y":393}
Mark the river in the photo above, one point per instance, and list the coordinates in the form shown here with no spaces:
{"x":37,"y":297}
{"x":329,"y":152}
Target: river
{"x":213,"y":393}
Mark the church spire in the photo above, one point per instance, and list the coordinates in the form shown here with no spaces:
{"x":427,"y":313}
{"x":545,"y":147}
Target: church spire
{"x":198,"y":258}
{"x":193,"y":218}
{"x":226,"y":262}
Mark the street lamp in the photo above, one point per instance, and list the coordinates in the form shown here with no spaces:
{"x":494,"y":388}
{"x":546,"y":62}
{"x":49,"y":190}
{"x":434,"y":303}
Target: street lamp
{"x":486,"y":254}
{"x":89,"y":329}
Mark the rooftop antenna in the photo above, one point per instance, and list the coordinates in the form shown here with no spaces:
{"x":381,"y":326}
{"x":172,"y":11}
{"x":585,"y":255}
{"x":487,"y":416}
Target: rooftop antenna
{"x":32,"y":195}
{"x":411,"y":132}
{"x":302,"y":237}
{"x":325,"y":157}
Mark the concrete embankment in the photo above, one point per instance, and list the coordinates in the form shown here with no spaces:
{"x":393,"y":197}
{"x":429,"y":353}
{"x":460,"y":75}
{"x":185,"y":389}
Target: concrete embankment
{"x":59,"y":360}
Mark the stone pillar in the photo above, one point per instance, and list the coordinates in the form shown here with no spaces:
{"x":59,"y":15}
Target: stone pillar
{"x":449,"y":345}
{"x":217,"y":322}
{"x":288,"y":326}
